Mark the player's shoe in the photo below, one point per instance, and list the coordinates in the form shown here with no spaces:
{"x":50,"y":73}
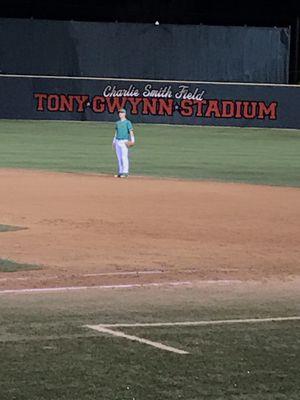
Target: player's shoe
{"x":117,"y":176}
{"x":123,"y":175}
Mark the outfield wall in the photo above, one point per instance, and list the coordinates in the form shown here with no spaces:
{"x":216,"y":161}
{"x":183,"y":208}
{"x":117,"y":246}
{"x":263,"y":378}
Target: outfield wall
{"x":171,"y":102}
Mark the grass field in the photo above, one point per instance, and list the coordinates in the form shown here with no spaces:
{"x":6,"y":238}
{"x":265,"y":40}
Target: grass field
{"x":48,"y":353}
{"x":9,"y":228}
{"x":12,"y":266}
{"x":263,"y":156}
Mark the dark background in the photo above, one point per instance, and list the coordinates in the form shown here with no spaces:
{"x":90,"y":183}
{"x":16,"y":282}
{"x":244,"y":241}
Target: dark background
{"x":144,"y":51}
{"x":227,"y":12}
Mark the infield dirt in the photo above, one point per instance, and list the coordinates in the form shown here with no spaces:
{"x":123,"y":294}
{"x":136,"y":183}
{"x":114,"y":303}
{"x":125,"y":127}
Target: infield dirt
{"x":81,"y":225}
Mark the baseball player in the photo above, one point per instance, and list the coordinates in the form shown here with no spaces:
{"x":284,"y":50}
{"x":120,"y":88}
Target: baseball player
{"x":123,"y":139}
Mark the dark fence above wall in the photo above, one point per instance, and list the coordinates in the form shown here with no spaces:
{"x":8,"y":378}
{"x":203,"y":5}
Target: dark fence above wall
{"x":146,"y":51}
{"x":194,"y":103}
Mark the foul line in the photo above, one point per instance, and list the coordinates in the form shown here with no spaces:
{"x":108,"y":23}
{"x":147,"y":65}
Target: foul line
{"x":72,"y":288}
{"x":102,"y":329}
{"x":88,"y":275}
{"x":203,"y":323}
{"x":120,"y":286}
{"x":105,"y":328}
{"x":121,"y":273}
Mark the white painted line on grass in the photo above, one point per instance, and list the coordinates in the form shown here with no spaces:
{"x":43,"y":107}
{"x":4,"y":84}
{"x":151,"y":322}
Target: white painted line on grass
{"x":105,"y":328}
{"x":203,"y":323}
{"x":72,"y":288}
{"x":102,"y":329}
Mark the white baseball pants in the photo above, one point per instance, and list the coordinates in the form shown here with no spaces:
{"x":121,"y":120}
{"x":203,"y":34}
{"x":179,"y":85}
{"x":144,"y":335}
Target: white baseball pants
{"x":122,"y":155}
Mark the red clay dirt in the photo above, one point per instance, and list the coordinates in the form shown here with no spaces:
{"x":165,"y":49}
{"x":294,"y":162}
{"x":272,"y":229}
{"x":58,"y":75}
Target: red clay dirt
{"x":184,"y":230}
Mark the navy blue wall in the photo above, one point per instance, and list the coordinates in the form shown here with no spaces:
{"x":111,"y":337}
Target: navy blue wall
{"x":151,"y":101}
{"x":177,"y":52}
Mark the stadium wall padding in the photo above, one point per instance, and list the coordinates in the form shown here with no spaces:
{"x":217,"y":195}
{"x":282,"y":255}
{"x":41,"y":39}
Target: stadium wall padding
{"x":145,"y":51}
{"x":186,"y":103}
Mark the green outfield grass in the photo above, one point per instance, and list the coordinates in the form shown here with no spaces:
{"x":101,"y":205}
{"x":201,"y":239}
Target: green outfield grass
{"x":47,"y":354}
{"x":10,"y":228}
{"x":262,"y":156}
{"x":12,"y":266}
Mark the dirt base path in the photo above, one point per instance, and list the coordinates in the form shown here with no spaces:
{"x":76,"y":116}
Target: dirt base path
{"x":81,"y":225}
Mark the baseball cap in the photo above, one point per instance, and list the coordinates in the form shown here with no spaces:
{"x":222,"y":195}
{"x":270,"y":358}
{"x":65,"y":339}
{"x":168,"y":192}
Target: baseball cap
{"x":122,"y":110}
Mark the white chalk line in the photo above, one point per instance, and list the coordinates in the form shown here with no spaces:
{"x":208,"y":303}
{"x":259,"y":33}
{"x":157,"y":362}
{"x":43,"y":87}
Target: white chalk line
{"x":72,"y":288}
{"x":129,"y":273}
{"x":105,"y":328}
{"x":119,"y":286}
{"x":117,"y":273}
{"x":158,"y":345}
{"x":203,"y":323}
{"x":121,"y":273}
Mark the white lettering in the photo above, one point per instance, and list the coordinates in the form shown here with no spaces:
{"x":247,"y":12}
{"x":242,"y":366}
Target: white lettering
{"x":163,"y":92}
{"x":185,"y":93}
{"x":110,"y":91}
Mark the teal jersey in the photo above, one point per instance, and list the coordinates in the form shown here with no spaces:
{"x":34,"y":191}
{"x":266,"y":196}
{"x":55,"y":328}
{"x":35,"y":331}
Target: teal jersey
{"x":123,"y":129}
